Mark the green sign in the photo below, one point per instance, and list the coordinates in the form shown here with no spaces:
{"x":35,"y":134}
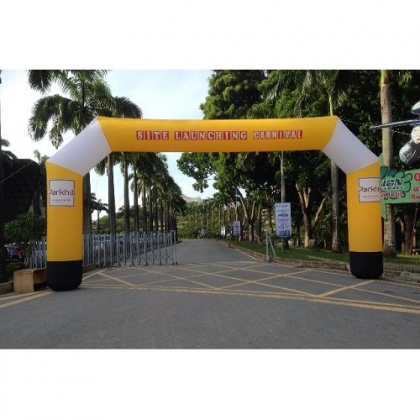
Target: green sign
{"x":399,"y":186}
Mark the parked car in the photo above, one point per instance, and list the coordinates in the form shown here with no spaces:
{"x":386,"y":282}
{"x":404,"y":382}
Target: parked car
{"x":14,"y":254}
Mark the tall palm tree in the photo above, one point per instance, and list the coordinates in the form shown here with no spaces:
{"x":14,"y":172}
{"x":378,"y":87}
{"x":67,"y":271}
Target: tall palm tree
{"x":98,"y":206}
{"x":142,"y":165}
{"x":123,"y":108}
{"x":159,"y":178}
{"x":40,"y":198}
{"x":173,"y":203}
{"x":124,"y":170}
{"x":87,"y":95}
{"x":106,"y":166}
{"x":387,"y":79}
{"x":389,"y":247}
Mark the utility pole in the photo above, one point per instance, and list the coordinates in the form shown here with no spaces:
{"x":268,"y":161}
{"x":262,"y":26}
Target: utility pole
{"x":283,"y":191}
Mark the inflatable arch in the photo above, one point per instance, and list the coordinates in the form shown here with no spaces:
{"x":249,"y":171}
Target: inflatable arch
{"x":66,"y":168}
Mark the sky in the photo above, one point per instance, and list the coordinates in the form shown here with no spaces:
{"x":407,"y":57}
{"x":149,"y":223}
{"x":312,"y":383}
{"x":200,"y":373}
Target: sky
{"x":161,"y":94}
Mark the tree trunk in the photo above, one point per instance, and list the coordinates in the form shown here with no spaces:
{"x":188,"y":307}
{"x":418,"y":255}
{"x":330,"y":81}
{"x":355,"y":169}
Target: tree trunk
{"x":389,"y":246}
{"x":310,"y":222}
{"x":156,"y":211}
{"x":307,"y":223}
{"x":407,"y":229}
{"x":126,"y":197}
{"x":335,"y":211}
{"x":144,"y":205}
{"x":111,"y":196}
{"x":150,"y":210}
{"x":162,"y":215}
{"x":136,"y":200}
{"x":86,"y":205}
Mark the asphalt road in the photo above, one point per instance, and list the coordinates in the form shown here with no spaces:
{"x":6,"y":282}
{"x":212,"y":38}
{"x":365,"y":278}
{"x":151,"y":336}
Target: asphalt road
{"x":215,"y":298}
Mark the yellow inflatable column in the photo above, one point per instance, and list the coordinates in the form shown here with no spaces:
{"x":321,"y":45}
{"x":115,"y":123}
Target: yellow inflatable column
{"x":65,"y":172}
{"x":64,"y":228}
{"x":364,"y":222}
{"x":361,"y":167}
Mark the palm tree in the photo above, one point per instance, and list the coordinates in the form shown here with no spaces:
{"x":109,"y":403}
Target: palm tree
{"x":141,"y":163}
{"x":107,"y":166}
{"x":124,"y":170}
{"x":389,"y":247}
{"x":40,"y":198}
{"x":149,"y":168}
{"x":388,"y":78}
{"x":98,"y":206}
{"x":175,"y":203}
{"x":123,"y":108}
{"x":88,"y":96}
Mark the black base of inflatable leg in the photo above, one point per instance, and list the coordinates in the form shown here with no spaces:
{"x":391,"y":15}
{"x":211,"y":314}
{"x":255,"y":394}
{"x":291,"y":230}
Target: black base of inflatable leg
{"x":64,"y":275}
{"x":366,"y":265}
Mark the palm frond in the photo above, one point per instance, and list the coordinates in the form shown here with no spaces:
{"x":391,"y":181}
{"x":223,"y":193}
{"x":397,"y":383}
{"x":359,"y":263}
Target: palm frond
{"x":41,"y":80}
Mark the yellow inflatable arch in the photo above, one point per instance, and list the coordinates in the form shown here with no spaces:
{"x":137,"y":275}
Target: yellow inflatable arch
{"x":66,"y":168}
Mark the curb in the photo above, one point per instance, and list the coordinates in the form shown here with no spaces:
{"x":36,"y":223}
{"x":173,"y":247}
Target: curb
{"x":6,"y":287}
{"x":392,"y":271}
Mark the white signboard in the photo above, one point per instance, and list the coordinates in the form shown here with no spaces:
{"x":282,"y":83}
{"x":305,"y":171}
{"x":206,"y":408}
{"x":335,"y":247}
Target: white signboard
{"x":283,"y":220}
{"x":223,"y":230}
{"x":61,"y":193}
{"x":236,"y":228}
{"x":369,"y":190}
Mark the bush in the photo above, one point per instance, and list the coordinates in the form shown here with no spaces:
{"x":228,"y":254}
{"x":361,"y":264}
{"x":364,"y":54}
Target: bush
{"x":25,"y":230}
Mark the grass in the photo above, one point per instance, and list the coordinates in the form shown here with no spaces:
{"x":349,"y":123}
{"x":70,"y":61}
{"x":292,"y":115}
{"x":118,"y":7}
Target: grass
{"x":311,"y":255}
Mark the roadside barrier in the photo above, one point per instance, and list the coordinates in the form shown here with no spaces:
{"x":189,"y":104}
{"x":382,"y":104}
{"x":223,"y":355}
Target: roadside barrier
{"x":129,"y":248}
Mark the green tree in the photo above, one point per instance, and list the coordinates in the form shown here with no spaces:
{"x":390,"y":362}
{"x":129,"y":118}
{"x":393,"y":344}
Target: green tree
{"x":333,"y":85}
{"x":232,"y":95}
{"x":98,"y":206}
{"x":305,"y":172}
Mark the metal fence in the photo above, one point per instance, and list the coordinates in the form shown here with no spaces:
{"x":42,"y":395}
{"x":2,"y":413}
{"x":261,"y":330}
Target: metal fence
{"x":131,"y":248}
